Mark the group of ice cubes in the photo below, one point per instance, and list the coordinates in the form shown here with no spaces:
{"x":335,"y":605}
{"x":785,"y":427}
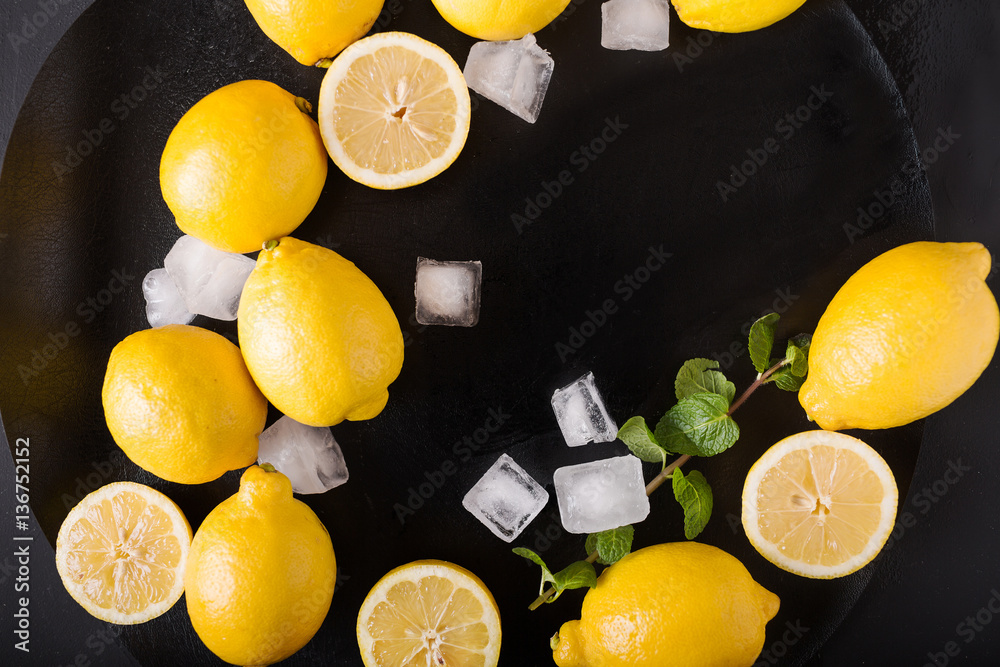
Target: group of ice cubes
{"x":641,"y":25}
{"x":447,"y":293}
{"x":308,"y":455}
{"x":513,"y":74}
{"x":592,"y":497}
{"x":197,"y":279}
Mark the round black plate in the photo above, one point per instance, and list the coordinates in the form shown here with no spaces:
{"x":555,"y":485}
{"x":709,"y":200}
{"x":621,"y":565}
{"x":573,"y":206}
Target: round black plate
{"x":661,"y":203}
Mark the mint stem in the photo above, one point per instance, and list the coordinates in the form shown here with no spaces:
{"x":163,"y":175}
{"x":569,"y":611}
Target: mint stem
{"x":668,"y":471}
{"x":756,"y":383}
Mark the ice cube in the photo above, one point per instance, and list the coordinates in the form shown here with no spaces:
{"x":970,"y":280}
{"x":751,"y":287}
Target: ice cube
{"x":513,"y":74}
{"x":307,"y":455}
{"x":506,"y":499}
{"x":601,"y":495}
{"x":164,"y":304}
{"x":581,"y":413}
{"x":447,"y":293}
{"x":209,"y":280}
{"x":642,"y":25}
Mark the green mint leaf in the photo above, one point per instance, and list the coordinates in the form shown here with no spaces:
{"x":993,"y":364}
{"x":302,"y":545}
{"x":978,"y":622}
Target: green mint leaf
{"x":698,"y":376}
{"x":698,"y":426}
{"x":611,"y":545}
{"x":695,"y":496}
{"x":537,"y":560}
{"x":577,"y":575}
{"x":580,"y":574}
{"x":786,"y":380}
{"x":797,"y":354}
{"x":641,"y":441}
{"x":762,"y":340}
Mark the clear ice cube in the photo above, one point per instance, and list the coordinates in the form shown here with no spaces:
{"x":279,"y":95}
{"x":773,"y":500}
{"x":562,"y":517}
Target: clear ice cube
{"x":308,"y":455}
{"x":447,"y":293}
{"x":164,"y":304}
{"x":209,"y":280}
{"x":581,"y":413}
{"x":513,"y":74}
{"x":506,"y":499}
{"x":601,"y":495}
{"x":642,"y":25}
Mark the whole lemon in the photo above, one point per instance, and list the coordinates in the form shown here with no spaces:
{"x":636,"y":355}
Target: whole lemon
{"x":734,"y":15}
{"x":244,"y":165}
{"x":319,"y":338}
{"x":500,"y":19}
{"x":314,"y":30}
{"x":680,"y":603}
{"x":905,"y":336}
{"x":260,"y":574}
{"x":180,"y":403}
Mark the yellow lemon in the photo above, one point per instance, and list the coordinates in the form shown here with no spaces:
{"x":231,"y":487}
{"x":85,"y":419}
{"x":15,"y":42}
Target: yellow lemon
{"x":394,"y":110}
{"x":313,"y":31}
{"x":681,"y":603}
{"x":819,"y":504}
{"x":734,"y":15}
{"x":261,"y":573}
{"x":429,"y":612}
{"x":500,"y":19}
{"x":319,"y":338}
{"x":180,"y":403}
{"x":244,"y":165}
{"x":905,"y":336}
{"x":121,"y":553}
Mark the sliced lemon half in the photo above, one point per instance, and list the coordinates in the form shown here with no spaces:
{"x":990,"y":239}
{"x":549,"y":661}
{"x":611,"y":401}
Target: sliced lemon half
{"x":429,"y":613}
{"x":819,"y":504}
{"x":121,"y":553}
{"x":394,"y":110}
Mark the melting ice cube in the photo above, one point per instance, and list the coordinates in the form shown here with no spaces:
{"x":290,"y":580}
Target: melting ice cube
{"x":581,"y":413}
{"x":643,"y":25}
{"x":506,"y":499}
{"x":448,"y":292}
{"x":209,"y":280}
{"x":513,"y":74}
{"x":164,"y":304}
{"x":307,"y":455}
{"x":601,"y":495}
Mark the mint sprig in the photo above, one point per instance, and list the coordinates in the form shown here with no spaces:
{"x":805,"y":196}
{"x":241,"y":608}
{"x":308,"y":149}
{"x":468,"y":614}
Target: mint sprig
{"x":611,"y":545}
{"x":580,"y":574}
{"x":695,"y":495}
{"x":762,"y":341}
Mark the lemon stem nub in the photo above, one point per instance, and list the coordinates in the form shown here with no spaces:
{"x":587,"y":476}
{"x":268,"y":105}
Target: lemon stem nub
{"x":303,"y":105}
{"x":271,"y":245}
{"x":554,"y":641}
{"x":267,"y":467}
{"x":324,"y":63}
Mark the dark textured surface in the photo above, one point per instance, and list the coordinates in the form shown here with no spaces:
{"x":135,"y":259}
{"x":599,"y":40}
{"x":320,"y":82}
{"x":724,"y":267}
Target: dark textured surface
{"x":779,"y":241}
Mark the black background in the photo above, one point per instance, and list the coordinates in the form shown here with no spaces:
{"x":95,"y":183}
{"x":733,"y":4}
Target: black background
{"x":943,"y":58}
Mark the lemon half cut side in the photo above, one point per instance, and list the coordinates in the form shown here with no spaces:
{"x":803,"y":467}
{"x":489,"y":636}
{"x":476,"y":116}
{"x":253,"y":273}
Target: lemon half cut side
{"x":819,"y":504}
